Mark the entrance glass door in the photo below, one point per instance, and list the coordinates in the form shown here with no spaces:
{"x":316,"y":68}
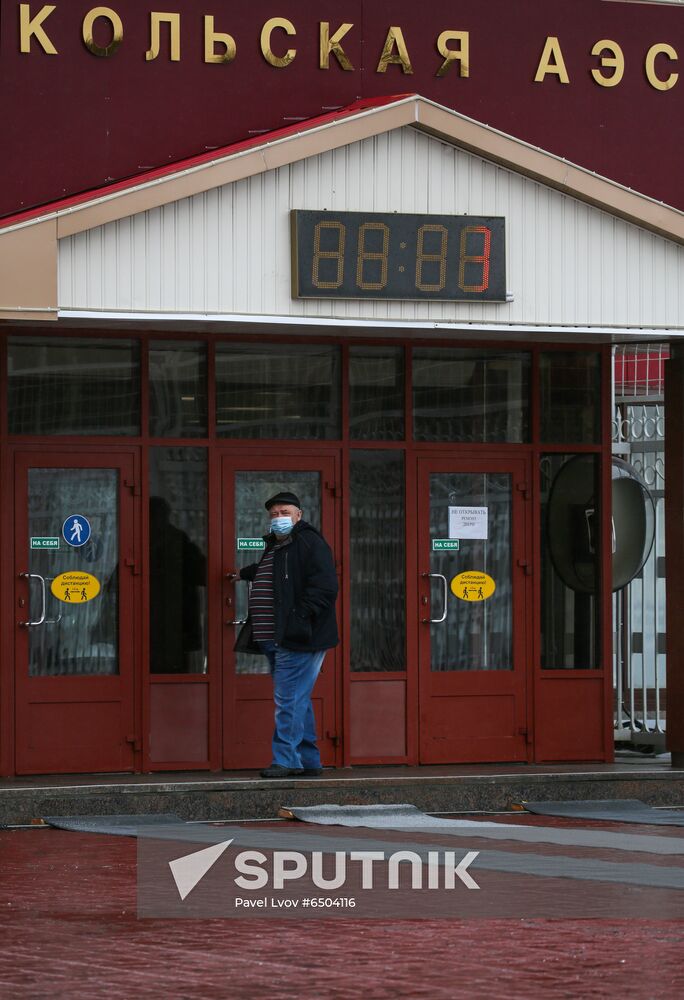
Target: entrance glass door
{"x":74,"y":604}
{"x":472,"y":611}
{"x":248,"y":698}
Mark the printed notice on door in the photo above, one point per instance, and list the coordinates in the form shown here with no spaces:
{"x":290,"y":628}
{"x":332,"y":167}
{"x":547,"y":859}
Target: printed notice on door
{"x":468,"y":522}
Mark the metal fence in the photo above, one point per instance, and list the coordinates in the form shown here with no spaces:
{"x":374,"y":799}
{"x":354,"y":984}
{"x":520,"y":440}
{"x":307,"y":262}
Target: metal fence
{"x":639,"y":609}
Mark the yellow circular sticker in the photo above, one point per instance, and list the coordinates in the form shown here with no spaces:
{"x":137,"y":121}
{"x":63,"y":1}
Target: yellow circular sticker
{"x":473,"y":586}
{"x":75,"y":587}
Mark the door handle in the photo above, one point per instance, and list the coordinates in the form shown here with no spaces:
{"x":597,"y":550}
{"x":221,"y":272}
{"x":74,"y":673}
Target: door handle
{"x":43,"y":611}
{"x":437,"y":576}
{"x":239,"y":621}
{"x":41,"y":620}
{"x":52,"y":621}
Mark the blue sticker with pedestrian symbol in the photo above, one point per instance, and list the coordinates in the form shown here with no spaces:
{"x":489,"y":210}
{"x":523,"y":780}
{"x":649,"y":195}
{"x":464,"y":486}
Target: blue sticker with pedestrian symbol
{"x":76,"y":530}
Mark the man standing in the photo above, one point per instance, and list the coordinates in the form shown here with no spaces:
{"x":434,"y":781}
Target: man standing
{"x":292,"y":622}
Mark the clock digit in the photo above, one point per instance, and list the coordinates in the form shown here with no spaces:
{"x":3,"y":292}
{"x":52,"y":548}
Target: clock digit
{"x":440,"y":257}
{"x":469,"y":258}
{"x":364,"y":255}
{"x":323,"y":255}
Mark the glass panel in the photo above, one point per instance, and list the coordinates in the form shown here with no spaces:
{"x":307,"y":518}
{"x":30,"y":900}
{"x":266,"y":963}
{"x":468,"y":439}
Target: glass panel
{"x":570,"y":387}
{"x":178,"y":390}
{"x":477,"y":633}
{"x":78,"y":637}
{"x":376,"y":393}
{"x":569,"y":568}
{"x":252,"y":490}
{"x":71,"y":385}
{"x":178,"y":561}
{"x":277,"y":391}
{"x":465,"y":395}
{"x":377,"y":561}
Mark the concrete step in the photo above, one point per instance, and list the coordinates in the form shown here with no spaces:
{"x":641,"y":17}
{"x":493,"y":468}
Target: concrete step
{"x":242,"y":795}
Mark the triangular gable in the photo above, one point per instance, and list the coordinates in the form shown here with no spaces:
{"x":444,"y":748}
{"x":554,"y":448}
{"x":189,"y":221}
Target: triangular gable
{"x":31,"y":292}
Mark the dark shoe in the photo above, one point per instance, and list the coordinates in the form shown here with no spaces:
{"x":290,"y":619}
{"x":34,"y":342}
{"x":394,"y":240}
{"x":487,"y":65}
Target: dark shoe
{"x":311,"y":772}
{"x":278,"y":771}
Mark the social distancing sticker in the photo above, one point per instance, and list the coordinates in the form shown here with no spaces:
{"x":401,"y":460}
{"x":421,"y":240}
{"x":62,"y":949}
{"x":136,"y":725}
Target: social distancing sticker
{"x":473,"y":586}
{"x":75,"y":587}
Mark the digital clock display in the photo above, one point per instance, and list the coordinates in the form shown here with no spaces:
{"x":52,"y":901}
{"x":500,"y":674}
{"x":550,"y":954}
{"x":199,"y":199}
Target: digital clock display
{"x":386,"y":255}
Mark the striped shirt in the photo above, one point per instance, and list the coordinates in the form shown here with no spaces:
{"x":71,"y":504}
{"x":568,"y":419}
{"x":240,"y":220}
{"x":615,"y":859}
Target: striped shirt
{"x":261,"y":602}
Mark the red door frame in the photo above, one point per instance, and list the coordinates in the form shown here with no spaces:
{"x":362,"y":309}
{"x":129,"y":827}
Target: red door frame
{"x":478,"y":684}
{"x":533,"y":449}
{"x":561,"y":697}
{"x":122,"y":688}
{"x":257,"y":688}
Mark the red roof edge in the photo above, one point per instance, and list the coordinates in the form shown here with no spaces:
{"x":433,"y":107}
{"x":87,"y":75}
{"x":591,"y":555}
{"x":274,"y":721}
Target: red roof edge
{"x":363,"y":104}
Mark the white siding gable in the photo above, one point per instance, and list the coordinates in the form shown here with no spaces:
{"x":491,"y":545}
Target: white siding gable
{"x":227,"y":251}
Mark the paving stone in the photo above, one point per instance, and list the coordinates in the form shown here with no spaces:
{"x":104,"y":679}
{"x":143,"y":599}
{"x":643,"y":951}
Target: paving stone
{"x":69,"y":929}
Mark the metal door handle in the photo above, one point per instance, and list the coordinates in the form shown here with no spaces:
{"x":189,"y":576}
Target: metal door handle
{"x":41,"y":620}
{"x":52,"y":621}
{"x":241,"y":621}
{"x":438,"y":576}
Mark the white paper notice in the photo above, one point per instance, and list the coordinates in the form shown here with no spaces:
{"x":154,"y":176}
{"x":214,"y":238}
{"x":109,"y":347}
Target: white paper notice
{"x":468,"y":522}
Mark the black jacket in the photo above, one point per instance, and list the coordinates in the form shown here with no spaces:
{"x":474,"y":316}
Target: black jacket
{"x":304,"y":591}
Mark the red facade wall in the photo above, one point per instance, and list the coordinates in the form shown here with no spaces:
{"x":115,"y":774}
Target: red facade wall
{"x":71,"y":121}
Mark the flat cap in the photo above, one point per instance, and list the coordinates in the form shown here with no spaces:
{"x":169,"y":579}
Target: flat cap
{"x":283,"y":497}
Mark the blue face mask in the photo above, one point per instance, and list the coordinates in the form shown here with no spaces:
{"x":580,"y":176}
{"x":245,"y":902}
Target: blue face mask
{"x":282,"y":525}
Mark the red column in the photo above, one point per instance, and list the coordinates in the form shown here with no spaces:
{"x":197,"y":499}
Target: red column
{"x":674,"y":550}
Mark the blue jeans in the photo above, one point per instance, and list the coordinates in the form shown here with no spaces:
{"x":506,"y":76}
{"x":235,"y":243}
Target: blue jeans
{"x":294,"y":675}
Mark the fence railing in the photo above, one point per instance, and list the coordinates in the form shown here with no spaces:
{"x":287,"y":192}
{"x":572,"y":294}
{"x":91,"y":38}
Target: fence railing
{"x":639,"y":609}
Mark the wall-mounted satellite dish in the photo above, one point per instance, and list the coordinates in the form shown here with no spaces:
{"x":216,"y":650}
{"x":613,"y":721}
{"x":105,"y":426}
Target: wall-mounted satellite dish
{"x":572,"y":523}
